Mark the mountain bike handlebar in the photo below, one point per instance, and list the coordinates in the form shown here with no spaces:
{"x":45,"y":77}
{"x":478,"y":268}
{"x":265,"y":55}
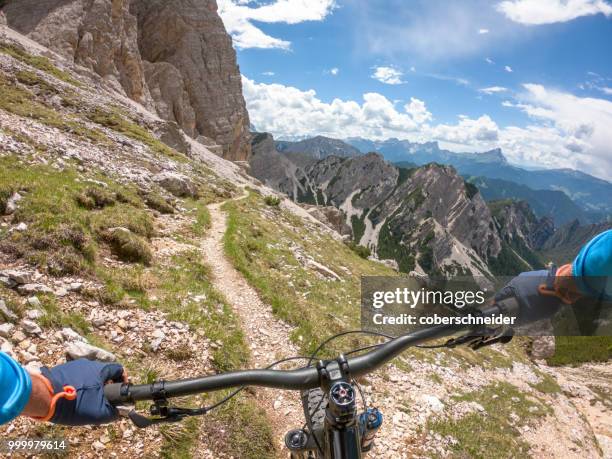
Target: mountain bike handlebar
{"x":299,"y":379}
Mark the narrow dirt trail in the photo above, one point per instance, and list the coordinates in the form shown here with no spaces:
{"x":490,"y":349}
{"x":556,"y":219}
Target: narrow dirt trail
{"x":267,"y":336}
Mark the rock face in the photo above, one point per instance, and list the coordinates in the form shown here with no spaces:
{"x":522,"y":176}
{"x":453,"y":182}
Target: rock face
{"x":426,"y":219}
{"x":193,"y":71}
{"x":319,"y":147}
{"x":174,"y":57}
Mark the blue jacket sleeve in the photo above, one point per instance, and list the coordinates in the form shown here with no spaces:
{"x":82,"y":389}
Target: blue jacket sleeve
{"x":15,"y":388}
{"x":592,"y":268}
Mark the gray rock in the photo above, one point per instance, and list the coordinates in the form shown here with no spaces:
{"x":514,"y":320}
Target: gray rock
{"x":31,"y":327}
{"x":6,"y":347}
{"x":80,"y":350}
{"x":68,"y":334}
{"x":21,"y":227}
{"x":7,"y":282}
{"x":26,"y":357}
{"x":61,"y":292}
{"x":18,"y":336}
{"x":543,"y":347}
{"x":75,"y":287}
{"x":172,"y":56}
{"x":11,"y":204}
{"x":7,"y":313}
{"x":29,"y":289}
{"x":34,"y":302}
{"x":19,"y":277}
{"x":177,"y":184}
{"x":34,"y":314}
{"x":156,"y":344}
{"x":6,"y":329}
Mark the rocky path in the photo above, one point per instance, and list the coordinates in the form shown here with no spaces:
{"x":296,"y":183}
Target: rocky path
{"x":267,"y":336}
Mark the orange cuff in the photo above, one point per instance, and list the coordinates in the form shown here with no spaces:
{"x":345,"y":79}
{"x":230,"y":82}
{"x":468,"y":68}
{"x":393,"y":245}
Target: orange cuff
{"x":564,"y":287}
{"x":69,"y":393}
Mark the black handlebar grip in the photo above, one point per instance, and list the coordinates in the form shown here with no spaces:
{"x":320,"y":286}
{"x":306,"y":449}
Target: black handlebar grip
{"x":113,"y":393}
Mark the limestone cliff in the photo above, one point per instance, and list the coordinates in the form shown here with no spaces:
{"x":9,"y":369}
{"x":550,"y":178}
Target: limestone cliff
{"x":172,"y":56}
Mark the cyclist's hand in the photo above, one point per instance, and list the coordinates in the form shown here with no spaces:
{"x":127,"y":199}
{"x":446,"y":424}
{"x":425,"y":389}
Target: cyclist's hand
{"x":88,"y":378}
{"x":526,"y":289}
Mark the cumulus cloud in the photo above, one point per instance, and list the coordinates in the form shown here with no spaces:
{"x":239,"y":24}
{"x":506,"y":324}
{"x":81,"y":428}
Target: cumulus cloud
{"x":289,"y":112}
{"x":565,"y":130}
{"x":607,"y":91}
{"x":388,"y":75}
{"x":483,"y":31}
{"x":537,"y":12}
{"x":335,"y":71}
{"x":508,"y":69}
{"x":239,"y":15}
{"x":488,"y":60}
{"x":493,"y":90}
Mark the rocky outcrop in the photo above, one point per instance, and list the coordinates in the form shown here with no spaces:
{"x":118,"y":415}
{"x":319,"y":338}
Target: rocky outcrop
{"x":426,"y":218}
{"x":193,"y":70}
{"x":173,"y":57}
{"x":100,"y":35}
{"x":319,"y":147}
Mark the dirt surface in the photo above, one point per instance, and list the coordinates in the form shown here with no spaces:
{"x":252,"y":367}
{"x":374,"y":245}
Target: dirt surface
{"x":267,"y":336}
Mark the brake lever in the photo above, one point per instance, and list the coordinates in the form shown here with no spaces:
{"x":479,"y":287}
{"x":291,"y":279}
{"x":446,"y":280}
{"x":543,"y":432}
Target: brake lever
{"x":165,"y":415}
{"x":476,"y":342}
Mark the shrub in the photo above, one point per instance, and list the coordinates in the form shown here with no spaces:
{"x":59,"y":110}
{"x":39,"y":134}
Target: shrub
{"x":5,"y":195}
{"x":179,"y":354}
{"x":159,"y":203}
{"x":128,"y":246}
{"x":363,"y":252}
{"x":273,"y":201}
{"x":95,"y":198}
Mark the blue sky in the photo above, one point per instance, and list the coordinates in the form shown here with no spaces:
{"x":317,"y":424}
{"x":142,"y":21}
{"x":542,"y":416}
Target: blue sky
{"x":533,"y":77}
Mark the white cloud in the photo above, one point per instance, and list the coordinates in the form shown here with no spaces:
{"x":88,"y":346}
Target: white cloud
{"x":418,"y":111}
{"x":268,"y":73}
{"x":483,"y":31}
{"x":238,"y":17}
{"x":335,"y":71}
{"x":388,"y":75}
{"x":493,"y":89}
{"x":488,"y":60}
{"x":536,"y":12}
{"x":573,"y":131}
{"x":565,"y":130}
{"x":508,"y":69}
{"x":607,"y":91}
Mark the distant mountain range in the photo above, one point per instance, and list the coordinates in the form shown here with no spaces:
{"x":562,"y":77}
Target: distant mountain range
{"x":427,"y":218}
{"x":318,"y":147}
{"x":592,"y":195}
{"x":561,"y":194}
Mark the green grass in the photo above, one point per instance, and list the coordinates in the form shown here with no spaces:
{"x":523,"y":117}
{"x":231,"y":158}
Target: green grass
{"x":574,"y":350}
{"x":547,"y":384}
{"x":179,"y":439}
{"x":202,"y":218}
{"x":54,"y":317}
{"x":491,"y":434}
{"x":249,"y":436}
{"x":22,"y":102}
{"x":63,"y":237}
{"x":122,"y":125}
{"x":245,"y":429}
{"x":177,"y":286}
{"x":260,"y":248}
{"x":39,"y":62}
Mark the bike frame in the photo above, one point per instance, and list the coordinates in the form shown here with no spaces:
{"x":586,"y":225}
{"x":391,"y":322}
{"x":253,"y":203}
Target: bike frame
{"x":340,"y":437}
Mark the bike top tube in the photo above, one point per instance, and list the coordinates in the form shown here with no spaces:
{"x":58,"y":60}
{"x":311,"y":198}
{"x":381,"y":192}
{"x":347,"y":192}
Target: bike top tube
{"x":299,"y":379}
